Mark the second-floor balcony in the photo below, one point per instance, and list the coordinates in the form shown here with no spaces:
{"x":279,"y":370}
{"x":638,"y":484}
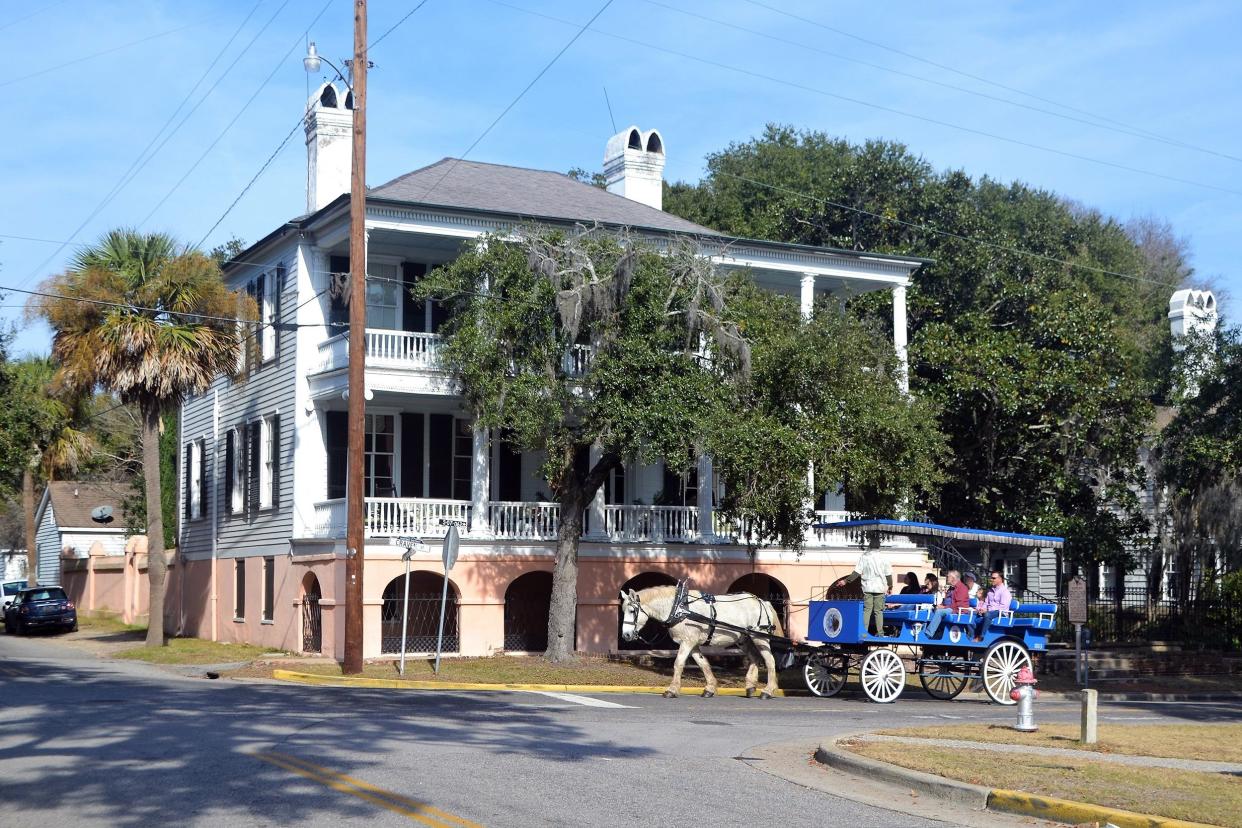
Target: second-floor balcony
{"x":385,"y":349}
{"x":390,"y":517}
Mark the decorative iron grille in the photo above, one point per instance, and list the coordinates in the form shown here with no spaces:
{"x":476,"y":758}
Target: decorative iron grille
{"x":312,"y":624}
{"x":422,"y":624}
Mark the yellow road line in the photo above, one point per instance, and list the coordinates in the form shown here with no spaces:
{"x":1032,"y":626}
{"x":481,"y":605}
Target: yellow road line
{"x":419,"y":811}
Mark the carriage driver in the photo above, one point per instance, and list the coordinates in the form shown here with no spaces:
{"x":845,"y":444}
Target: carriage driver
{"x":877,"y":583}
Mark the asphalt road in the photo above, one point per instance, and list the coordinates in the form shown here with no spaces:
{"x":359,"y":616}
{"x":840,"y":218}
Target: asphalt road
{"x":90,"y":742}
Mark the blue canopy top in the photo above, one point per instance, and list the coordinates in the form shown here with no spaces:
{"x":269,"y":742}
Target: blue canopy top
{"x":955,"y":533}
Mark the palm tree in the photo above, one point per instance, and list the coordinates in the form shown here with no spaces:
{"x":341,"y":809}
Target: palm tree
{"x":136,"y":316}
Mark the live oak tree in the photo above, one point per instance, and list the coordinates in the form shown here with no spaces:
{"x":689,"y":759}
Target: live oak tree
{"x":1042,"y":372}
{"x":598,"y":350}
{"x":136,"y":316}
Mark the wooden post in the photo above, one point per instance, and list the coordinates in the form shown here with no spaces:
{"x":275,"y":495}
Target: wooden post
{"x":355,"y":531}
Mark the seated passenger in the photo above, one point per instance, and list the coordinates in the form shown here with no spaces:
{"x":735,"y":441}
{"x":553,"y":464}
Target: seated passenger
{"x":996,"y":602}
{"x":911,"y":582}
{"x":957,"y":598}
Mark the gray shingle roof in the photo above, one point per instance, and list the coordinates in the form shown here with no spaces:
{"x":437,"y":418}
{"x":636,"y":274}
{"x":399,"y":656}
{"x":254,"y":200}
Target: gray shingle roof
{"x":530,"y":193}
{"x":72,"y":503}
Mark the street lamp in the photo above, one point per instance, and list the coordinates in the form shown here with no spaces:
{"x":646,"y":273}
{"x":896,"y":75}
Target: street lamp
{"x":355,"y":533}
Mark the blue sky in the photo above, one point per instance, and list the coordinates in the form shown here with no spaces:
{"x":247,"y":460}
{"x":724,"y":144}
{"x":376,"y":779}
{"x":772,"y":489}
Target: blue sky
{"x":72,"y":131}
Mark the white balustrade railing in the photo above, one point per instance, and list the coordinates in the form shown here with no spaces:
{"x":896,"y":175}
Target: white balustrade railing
{"x":421,"y":517}
{"x":524,"y":521}
{"x":329,"y":519}
{"x":393,"y":349}
{"x":577,"y":360}
{"x":656,"y":524}
{"x":540,"y":521}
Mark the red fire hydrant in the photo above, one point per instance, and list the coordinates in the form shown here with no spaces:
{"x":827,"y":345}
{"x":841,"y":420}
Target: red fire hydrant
{"x":1024,"y":693}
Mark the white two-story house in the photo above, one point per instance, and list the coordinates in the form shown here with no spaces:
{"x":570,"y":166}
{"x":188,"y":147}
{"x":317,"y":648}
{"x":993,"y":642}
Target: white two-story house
{"x":264,"y":455}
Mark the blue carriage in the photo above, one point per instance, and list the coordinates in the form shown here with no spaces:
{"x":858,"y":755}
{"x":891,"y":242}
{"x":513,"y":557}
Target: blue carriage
{"x":946,"y":664}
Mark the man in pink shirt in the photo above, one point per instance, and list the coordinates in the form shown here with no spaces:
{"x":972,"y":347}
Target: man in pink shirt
{"x":994,"y":603}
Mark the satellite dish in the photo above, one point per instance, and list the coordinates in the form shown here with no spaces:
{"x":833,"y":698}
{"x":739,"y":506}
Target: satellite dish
{"x":101,"y":514}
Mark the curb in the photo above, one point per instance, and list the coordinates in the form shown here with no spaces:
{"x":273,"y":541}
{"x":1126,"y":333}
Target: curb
{"x":993,"y":799}
{"x":397,"y":684}
{"x":1076,"y":695}
{"x":1064,"y":810}
{"x":974,"y":797}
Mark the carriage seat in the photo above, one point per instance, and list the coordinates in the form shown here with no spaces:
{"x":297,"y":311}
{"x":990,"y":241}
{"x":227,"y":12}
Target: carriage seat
{"x":910,"y":608}
{"x":1036,"y":616}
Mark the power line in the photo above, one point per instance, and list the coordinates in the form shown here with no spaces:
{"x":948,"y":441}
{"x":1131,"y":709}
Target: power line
{"x":520,"y":95}
{"x":881,"y":107}
{"x":1093,"y":121}
{"x":394,"y":26}
{"x":140,"y":162}
{"x":37,"y":11}
{"x":292,"y":130}
{"x":952,"y":69}
{"x":236,"y":117}
{"x":103,"y":52}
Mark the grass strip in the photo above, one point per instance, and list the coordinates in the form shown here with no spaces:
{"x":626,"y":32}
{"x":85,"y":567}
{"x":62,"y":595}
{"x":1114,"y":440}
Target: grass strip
{"x":1176,"y":794}
{"x":194,"y":651}
{"x":1211,"y":742}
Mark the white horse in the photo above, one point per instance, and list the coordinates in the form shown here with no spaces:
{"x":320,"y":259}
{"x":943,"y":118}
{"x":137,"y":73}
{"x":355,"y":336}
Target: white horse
{"x":741,"y":609}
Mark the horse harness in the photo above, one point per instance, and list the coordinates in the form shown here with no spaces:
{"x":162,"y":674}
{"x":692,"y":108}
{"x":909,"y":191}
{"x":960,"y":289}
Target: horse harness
{"x":680,"y":611}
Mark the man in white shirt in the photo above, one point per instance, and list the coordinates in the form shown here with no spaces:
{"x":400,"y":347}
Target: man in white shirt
{"x":876,"y":574}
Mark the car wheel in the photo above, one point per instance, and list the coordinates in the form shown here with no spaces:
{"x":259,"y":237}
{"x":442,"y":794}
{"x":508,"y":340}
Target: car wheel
{"x":74,"y":627}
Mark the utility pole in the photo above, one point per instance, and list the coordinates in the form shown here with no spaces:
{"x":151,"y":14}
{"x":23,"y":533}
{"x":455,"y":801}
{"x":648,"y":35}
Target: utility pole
{"x":355,"y":530}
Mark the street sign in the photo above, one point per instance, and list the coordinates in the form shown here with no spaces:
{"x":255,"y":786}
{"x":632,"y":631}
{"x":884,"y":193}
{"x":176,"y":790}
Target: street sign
{"x":410,"y":542}
{"x":1078,"y":600}
{"x":449,"y":553}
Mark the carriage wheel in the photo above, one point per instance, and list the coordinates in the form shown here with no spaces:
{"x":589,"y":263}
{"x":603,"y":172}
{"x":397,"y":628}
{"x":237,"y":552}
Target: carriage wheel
{"x":1001,"y":664}
{"x":883,"y":676}
{"x":943,"y":680}
{"x":825,"y":674}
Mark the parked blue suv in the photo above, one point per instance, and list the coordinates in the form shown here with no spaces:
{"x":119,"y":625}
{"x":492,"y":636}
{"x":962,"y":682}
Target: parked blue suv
{"x":40,"y":608}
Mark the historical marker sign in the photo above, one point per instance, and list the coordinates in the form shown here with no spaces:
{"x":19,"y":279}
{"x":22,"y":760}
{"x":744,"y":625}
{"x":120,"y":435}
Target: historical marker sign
{"x":1078,"y":600}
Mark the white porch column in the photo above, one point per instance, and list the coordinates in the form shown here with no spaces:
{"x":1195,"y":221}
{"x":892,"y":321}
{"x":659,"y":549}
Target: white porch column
{"x":808,"y":295}
{"x":899,"y":337}
{"x":707,"y":488}
{"x":596,"y":510}
{"x":480,"y":483}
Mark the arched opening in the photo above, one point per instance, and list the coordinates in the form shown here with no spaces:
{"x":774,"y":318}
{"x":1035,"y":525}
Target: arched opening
{"x":328,"y":96}
{"x":349,"y":99}
{"x":526,"y":612}
{"x":312,"y":615}
{"x":423,"y":617}
{"x":654,"y":144}
{"x":768,"y":588}
{"x":652,"y":636}
{"x":636,"y":140}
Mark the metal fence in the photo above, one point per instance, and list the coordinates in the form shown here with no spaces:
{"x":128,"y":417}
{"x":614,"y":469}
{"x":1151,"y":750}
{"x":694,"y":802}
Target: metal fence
{"x":422,"y":626}
{"x":1131,"y":616}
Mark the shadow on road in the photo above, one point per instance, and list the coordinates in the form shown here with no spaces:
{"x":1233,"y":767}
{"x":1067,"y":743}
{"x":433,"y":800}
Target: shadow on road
{"x":136,"y":750}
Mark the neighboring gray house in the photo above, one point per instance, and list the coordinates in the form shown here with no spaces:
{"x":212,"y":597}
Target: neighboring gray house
{"x":69,"y":521}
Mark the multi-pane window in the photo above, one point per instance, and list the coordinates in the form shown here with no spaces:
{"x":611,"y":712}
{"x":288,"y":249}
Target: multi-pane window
{"x":196,"y":480}
{"x":271,"y":284}
{"x":383,"y":296}
{"x":239,"y":589}
{"x":463,"y":458}
{"x":379,"y":456}
{"x":267,"y":462}
{"x":237,"y":473}
{"x":269,"y":588}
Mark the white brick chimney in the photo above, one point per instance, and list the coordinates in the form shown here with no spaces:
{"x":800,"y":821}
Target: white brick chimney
{"x":634,"y":166}
{"x":329,"y":145}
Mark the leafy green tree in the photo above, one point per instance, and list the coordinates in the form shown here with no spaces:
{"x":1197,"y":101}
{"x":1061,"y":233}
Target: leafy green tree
{"x":1042,"y":373}
{"x":151,"y":325}
{"x":48,"y":429}
{"x":824,"y":393}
